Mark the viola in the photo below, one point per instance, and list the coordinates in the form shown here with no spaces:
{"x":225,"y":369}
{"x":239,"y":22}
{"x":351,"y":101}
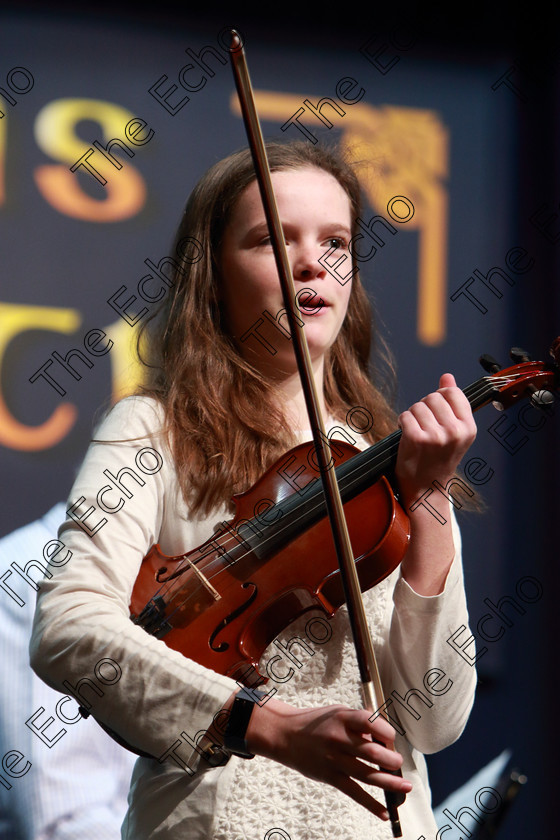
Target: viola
{"x":222,"y":603}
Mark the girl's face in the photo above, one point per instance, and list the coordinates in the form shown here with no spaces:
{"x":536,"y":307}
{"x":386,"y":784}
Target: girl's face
{"x":315,"y":214}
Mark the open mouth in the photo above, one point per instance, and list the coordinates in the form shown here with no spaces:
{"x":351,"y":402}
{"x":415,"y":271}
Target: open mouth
{"x":313,"y":305}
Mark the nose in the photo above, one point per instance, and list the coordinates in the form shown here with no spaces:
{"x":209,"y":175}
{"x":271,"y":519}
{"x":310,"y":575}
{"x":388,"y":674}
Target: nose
{"x":306,"y":263}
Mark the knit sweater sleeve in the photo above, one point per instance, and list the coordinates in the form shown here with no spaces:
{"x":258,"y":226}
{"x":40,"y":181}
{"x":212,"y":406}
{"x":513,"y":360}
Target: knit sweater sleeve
{"x":124,"y":500}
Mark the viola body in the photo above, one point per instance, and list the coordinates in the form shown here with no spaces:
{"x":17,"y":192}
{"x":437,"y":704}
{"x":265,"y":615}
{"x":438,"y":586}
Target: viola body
{"x":272,"y":563}
{"x":223,"y":603}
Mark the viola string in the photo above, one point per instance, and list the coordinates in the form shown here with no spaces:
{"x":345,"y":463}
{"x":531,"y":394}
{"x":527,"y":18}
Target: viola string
{"x":383,"y":453}
{"x":377,"y":457}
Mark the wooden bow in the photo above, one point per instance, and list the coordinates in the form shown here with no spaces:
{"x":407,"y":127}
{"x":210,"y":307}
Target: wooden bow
{"x":372,"y":691}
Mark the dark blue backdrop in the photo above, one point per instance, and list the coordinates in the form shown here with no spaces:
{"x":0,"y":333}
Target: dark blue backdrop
{"x":467,"y":135}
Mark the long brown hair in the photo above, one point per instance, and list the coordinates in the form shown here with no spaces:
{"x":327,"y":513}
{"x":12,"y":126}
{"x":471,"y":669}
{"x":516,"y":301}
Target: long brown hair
{"x":224,"y":420}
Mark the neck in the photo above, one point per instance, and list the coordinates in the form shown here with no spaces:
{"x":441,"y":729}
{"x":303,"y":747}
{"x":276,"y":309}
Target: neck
{"x":292,"y":397}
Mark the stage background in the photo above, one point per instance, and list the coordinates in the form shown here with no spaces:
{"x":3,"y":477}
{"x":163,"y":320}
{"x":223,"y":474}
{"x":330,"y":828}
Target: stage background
{"x":475,"y":159}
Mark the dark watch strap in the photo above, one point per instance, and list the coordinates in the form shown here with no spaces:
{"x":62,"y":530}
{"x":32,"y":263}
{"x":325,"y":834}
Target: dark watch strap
{"x":238,"y":722}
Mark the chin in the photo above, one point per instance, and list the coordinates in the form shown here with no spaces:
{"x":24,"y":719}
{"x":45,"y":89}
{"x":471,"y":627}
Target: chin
{"x":319,"y":340}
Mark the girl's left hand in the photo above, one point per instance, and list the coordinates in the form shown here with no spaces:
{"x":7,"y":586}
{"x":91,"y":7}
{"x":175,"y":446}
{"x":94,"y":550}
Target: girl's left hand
{"x":436,"y":433}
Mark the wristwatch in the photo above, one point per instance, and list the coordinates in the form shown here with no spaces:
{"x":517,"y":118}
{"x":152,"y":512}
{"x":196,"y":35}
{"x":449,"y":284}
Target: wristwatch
{"x":238,"y":722}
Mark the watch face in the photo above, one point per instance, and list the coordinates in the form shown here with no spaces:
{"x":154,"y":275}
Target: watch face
{"x":236,"y":727}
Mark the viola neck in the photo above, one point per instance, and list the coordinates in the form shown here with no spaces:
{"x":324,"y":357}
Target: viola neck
{"x":300,"y":510}
{"x":367,"y":467}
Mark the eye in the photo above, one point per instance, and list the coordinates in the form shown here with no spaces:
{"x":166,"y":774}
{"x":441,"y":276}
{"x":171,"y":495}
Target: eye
{"x":337,"y":242}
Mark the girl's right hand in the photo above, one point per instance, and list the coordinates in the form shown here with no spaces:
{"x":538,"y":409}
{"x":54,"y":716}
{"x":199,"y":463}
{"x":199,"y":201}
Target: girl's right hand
{"x":332,"y":745}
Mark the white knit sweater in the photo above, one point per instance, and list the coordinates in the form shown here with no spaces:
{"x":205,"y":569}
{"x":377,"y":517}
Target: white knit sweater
{"x":162,"y":697}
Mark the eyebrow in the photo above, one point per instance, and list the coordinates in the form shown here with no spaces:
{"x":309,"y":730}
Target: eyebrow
{"x":325,"y":229}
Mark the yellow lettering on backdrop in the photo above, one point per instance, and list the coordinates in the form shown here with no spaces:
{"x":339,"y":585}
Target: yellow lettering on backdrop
{"x":408,"y":148}
{"x":15,"y":319}
{"x":55,"y":134}
{"x":127,"y":371}
{"x":407,"y":151}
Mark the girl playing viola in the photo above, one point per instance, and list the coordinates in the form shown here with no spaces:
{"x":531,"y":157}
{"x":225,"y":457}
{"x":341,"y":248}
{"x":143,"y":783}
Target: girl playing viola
{"x":224,"y":403}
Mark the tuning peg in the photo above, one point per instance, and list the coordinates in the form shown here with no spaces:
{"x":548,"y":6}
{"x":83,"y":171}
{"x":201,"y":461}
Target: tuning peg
{"x":542,"y":399}
{"x":489,"y":363}
{"x":518,"y":355}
